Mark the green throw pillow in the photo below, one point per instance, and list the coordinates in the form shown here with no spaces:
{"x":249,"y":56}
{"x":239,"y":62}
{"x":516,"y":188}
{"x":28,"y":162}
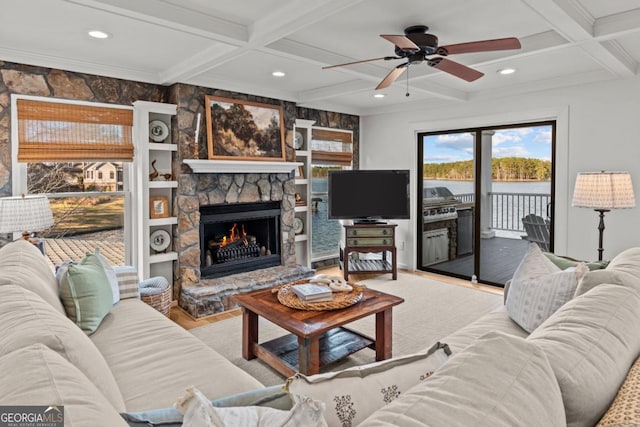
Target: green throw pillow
{"x":563,"y":262}
{"x":86,"y":293}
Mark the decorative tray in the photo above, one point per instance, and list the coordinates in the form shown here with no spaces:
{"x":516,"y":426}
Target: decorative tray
{"x":340,"y":299}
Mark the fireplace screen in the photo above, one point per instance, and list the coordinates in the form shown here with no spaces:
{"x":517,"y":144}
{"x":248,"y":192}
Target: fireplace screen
{"x":239,"y":237}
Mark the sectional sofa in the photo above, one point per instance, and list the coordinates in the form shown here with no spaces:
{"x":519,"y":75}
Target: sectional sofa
{"x":136,"y":360}
{"x":567,"y":372}
{"x":578,"y":368}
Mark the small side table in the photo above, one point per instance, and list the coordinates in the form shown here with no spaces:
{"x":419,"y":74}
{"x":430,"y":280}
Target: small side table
{"x":369,"y":238}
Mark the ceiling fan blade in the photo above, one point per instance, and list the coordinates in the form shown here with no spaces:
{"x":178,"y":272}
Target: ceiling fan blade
{"x":386,"y":58}
{"x":455,"y":68}
{"x":392,"y":76}
{"x":401,"y":41}
{"x":480,"y":46}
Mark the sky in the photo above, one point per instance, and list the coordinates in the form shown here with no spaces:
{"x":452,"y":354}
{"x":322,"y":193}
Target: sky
{"x":530,"y":142}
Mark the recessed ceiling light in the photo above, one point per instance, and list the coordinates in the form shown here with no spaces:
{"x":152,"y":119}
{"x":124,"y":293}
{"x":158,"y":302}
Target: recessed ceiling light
{"x":379,"y":95}
{"x":505,"y":71}
{"x":278,"y":74}
{"x":97,"y":34}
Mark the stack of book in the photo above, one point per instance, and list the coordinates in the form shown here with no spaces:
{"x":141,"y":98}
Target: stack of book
{"x":309,"y":292}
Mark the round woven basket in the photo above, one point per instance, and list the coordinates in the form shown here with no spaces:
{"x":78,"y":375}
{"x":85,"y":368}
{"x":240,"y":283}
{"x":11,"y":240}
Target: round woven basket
{"x":340,"y":299}
{"x":157,"y":294}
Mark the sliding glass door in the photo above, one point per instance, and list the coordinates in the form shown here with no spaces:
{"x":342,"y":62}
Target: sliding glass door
{"x":447,"y":209}
{"x":484,"y":194}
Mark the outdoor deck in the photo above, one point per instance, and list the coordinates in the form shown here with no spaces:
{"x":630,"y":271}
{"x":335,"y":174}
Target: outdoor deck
{"x":500,"y":257}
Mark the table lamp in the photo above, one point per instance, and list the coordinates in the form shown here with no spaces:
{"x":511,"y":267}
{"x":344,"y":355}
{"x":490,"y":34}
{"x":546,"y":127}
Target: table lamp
{"x":603,"y":191}
{"x":26,"y":214}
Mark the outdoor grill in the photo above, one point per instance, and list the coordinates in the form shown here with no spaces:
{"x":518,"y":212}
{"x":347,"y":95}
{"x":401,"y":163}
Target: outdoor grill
{"x":439,"y":203}
{"x":447,"y":225}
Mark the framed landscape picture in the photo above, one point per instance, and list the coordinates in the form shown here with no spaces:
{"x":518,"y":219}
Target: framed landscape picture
{"x":244,"y":130}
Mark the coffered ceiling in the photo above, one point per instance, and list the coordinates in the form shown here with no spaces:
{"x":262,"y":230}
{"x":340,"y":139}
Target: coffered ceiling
{"x":236,"y":45}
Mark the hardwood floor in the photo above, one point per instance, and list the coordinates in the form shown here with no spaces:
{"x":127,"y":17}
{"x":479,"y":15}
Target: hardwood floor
{"x":187,"y":322}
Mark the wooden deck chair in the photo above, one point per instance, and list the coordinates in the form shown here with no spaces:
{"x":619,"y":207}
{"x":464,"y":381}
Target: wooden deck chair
{"x":537,"y":230}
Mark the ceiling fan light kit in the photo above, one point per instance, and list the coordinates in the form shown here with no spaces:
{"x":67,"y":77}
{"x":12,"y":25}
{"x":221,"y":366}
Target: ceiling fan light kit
{"x":417,"y":46}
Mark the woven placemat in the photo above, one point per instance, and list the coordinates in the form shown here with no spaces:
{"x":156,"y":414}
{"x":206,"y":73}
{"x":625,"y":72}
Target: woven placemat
{"x":340,"y":299}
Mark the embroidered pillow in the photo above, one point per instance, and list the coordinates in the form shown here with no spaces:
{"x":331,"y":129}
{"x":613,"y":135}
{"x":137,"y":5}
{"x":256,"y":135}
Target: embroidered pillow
{"x":499,"y":380}
{"x":539,"y":288}
{"x":353,"y":394}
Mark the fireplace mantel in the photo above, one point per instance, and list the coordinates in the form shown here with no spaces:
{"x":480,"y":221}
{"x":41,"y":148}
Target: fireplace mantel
{"x":240,"y":166}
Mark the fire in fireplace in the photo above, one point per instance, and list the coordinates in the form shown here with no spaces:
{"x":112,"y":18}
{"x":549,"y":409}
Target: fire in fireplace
{"x":239,"y":237}
{"x":234,"y":245}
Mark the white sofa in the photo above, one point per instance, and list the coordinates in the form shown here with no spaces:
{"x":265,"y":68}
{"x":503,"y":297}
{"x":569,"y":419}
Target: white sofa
{"x":136,"y":360}
{"x":567,"y":372}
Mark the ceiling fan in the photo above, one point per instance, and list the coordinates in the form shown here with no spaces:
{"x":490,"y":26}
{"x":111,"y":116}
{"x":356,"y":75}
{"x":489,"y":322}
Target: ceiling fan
{"x":416,"y":46}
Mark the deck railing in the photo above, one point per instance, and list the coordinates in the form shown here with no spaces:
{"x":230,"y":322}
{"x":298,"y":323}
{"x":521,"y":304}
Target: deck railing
{"x":508,"y":209}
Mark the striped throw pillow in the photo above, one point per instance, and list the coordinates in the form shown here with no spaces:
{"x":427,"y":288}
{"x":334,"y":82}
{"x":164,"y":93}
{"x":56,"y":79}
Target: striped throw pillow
{"x":127,"y":281}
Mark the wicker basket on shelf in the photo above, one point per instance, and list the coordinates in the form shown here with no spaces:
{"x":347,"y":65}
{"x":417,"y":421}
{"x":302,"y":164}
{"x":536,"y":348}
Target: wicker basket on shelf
{"x":156,"y":293}
{"x":340,"y":299}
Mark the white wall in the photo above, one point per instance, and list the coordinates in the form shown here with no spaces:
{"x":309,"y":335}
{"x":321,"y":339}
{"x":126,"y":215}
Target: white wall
{"x":598,"y":128}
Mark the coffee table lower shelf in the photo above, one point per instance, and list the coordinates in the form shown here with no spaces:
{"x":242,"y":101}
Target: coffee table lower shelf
{"x":282,"y":353}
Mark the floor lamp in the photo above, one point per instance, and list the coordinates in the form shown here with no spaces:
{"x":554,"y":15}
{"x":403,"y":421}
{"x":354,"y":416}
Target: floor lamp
{"x":603,"y":191}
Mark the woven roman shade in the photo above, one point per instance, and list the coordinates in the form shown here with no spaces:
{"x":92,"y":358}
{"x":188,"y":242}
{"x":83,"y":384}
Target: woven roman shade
{"x":331,"y":147}
{"x":54,"y":131}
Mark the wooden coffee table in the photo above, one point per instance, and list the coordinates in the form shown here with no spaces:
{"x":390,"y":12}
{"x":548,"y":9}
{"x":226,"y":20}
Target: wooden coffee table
{"x":317,"y":337}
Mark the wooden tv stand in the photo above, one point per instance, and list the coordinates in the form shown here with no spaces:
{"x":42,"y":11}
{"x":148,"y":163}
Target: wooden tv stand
{"x":369,"y":238}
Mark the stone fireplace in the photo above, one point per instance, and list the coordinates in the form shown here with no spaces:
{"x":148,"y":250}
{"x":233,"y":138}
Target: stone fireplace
{"x":239,"y":237}
{"x":229,"y":192}
{"x":225,"y":185}
{"x":208,"y":205}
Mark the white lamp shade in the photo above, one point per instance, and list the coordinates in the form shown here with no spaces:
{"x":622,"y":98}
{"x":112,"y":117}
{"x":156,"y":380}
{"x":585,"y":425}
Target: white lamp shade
{"x":604,"y":190}
{"x":25,"y":213}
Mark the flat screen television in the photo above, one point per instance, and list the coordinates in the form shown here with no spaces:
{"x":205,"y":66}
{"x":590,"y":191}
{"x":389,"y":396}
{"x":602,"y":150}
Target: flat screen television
{"x":368,"y":195}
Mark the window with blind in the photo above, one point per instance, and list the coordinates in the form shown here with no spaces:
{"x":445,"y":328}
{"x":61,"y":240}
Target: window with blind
{"x":55,"y":131}
{"x":330,"y":149}
{"x":77,"y":155}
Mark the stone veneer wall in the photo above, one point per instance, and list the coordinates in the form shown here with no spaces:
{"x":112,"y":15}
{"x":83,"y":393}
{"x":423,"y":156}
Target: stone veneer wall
{"x":30,"y":80}
{"x":193,"y":190}
{"x":39,"y":81}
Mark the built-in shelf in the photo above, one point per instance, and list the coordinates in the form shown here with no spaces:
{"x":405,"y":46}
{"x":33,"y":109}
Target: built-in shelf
{"x":162,"y":147}
{"x":163,"y":221}
{"x":301,"y":237}
{"x":301,"y":208}
{"x":239,"y":166}
{"x":302,"y":181}
{"x":154,"y":157}
{"x":163,"y":184}
{"x":168,"y":256}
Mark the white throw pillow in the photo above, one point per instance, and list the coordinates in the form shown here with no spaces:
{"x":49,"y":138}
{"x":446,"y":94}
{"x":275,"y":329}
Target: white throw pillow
{"x":539,"y":288}
{"x":111,"y":275}
{"x":351,"y":395}
{"x":199,"y":412}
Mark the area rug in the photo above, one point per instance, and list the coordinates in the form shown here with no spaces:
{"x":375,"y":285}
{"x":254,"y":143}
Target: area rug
{"x":432,"y":310}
